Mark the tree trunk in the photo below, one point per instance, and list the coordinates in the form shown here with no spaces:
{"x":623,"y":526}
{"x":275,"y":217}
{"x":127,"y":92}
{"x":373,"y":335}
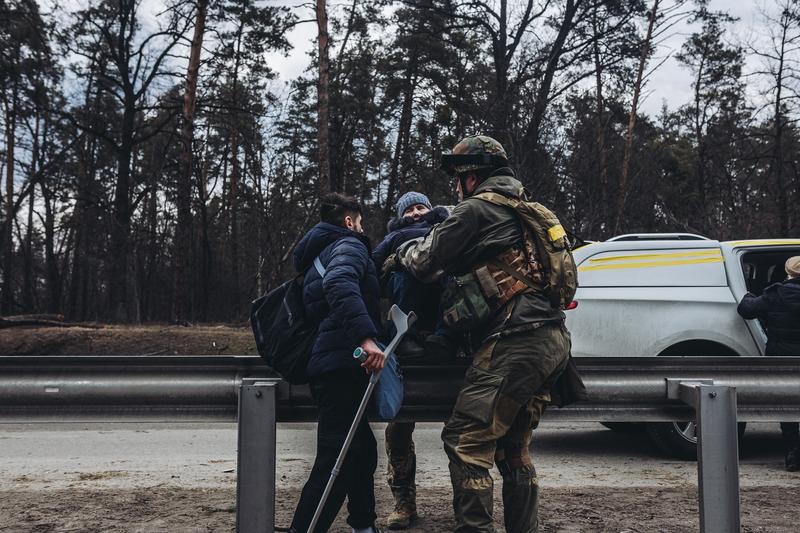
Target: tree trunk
{"x":119,"y":284}
{"x":181,"y":309}
{"x":602,"y":165}
{"x":8,"y":239}
{"x":622,"y":192}
{"x":29,"y":288}
{"x":205,"y":245}
{"x":52,"y":274}
{"x":233,"y":199}
{"x":326,"y":182}
{"x":777,"y":156}
{"x":700,"y":167}
{"x":500,"y":121}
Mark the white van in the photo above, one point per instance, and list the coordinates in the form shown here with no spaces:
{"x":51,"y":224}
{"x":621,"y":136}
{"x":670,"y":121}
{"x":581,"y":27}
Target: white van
{"x":672,"y":294}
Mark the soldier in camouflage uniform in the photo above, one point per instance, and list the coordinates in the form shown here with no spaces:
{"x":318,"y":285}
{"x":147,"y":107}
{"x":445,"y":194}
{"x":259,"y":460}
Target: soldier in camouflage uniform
{"x":517,"y":355}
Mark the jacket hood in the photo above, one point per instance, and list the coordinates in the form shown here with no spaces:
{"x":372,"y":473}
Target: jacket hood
{"x":789,"y":291}
{"x":317,"y":239}
{"x":435,"y":216}
{"x":503,"y":182}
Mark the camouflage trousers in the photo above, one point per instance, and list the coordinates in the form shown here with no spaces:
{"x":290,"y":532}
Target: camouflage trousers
{"x":501,"y":402}
{"x":402,"y":467}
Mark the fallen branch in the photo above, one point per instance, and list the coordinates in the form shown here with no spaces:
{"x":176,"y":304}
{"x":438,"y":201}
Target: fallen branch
{"x":35,"y":320}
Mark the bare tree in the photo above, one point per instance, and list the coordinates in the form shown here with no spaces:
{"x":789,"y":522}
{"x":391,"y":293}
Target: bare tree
{"x":780,"y":55}
{"x":326,"y":183}
{"x":183,"y":229}
{"x":112,"y":29}
{"x":644,"y":54}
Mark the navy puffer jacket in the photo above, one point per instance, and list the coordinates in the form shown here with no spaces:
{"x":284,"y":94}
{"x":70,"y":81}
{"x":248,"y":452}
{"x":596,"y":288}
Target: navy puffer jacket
{"x":779,"y":308}
{"x":346,"y":302}
{"x":404,"y":229}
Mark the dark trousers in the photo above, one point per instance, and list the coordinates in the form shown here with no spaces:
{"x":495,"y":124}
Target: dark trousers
{"x":791,"y":435}
{"x":338,"y":395}
{"x":789,"y":430}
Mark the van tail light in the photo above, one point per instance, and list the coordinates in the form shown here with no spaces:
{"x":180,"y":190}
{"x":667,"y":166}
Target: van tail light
{"x":572,"y":305}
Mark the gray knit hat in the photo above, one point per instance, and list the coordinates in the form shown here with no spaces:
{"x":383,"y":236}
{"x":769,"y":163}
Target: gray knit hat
{"x":411,"y":198}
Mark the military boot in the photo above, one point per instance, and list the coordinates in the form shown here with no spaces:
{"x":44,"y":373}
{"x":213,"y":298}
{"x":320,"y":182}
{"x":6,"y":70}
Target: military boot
{"x":405,"y":508}
{"x":521,"y":500}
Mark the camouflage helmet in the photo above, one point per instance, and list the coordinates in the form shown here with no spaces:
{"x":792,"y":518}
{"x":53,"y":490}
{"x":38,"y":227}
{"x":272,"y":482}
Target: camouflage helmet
{"x":473,"y":153}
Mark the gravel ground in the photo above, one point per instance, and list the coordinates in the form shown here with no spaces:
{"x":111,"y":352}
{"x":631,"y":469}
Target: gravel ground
{"x":181,"y":477}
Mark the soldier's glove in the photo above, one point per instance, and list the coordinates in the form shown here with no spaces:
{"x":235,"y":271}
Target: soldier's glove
{"x":391,"y":264}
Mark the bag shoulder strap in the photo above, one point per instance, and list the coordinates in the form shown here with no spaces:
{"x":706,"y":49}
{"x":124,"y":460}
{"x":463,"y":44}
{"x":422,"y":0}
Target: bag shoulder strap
{"x":318,"y":266}
{"x":496,"y":198}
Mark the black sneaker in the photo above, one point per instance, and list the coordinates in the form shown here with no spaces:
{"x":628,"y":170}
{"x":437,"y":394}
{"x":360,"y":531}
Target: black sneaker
{"x":793,"y":460}
{"x":439,"y":347}
{"x":410,"y":348}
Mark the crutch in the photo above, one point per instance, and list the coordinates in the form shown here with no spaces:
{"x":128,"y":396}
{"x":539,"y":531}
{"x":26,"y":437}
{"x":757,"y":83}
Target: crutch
{"x":401,"y":323}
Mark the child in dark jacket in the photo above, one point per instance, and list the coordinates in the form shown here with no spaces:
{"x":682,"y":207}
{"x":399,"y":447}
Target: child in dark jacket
{"x":415,"y":218}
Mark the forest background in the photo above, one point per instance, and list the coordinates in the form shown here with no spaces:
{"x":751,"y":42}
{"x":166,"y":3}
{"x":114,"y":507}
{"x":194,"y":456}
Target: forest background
{"x":155,"y":170}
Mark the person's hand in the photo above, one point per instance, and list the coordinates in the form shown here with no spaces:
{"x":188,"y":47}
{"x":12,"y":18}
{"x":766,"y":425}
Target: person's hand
{"x":390,"y":265}
{"x":375,"y":356}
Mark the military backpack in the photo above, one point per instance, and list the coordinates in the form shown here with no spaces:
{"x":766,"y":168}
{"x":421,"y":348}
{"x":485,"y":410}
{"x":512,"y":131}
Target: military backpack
{"x":543,"y":230}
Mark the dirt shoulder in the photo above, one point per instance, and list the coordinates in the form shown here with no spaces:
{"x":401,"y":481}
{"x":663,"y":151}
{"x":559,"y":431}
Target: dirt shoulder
{"x":174,"y":508}
{"x":127,"y":340}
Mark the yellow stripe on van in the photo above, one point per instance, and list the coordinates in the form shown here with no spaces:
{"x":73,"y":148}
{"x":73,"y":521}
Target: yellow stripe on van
{"x":674,"y":255}
{"x":764,"y":243}
{"x":651,"y":264}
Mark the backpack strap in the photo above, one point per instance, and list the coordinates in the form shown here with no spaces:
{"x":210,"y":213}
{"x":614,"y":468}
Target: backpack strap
{"x":318,"y":266}
{"x":495,"y":198}
{"x":514,"y":274}
{"x":513,"y":203}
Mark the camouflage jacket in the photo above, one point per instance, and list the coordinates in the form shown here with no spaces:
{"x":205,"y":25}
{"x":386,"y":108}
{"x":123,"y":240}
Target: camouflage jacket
{"x":475,"y":232}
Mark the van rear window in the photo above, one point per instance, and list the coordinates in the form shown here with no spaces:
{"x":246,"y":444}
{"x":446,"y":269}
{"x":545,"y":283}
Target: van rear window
{"x":763,"y":268}
{"x":690,"y":267}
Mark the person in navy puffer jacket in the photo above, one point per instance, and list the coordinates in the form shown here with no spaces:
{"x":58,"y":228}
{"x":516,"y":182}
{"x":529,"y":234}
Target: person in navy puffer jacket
{"x":415,"y":218}
{"x":779,"y":309}
{"x":345,"y":302}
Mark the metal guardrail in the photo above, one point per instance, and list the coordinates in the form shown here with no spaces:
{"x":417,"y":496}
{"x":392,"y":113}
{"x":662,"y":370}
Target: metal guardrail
{"x":107,"y":388}
{"x":714,"y":390}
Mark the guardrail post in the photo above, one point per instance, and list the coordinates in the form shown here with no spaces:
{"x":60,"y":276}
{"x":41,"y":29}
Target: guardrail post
{"x":717,"y":451}
{"x":255,"y":468}
{"x":718,"y":459}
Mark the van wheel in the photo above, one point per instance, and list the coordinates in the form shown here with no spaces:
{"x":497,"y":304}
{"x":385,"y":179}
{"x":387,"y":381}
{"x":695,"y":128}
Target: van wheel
{"x":678,"y":439}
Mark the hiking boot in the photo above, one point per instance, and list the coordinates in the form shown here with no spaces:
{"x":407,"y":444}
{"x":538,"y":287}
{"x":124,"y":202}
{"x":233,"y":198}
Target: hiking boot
{"x":403,"y":515}
{"x":793,"y":460}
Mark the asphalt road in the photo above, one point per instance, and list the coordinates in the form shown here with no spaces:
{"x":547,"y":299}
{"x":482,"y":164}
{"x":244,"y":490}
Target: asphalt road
{"x":52,"y":456}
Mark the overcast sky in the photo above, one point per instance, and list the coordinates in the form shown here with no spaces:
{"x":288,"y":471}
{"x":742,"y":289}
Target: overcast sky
{"x":669,"y":84}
